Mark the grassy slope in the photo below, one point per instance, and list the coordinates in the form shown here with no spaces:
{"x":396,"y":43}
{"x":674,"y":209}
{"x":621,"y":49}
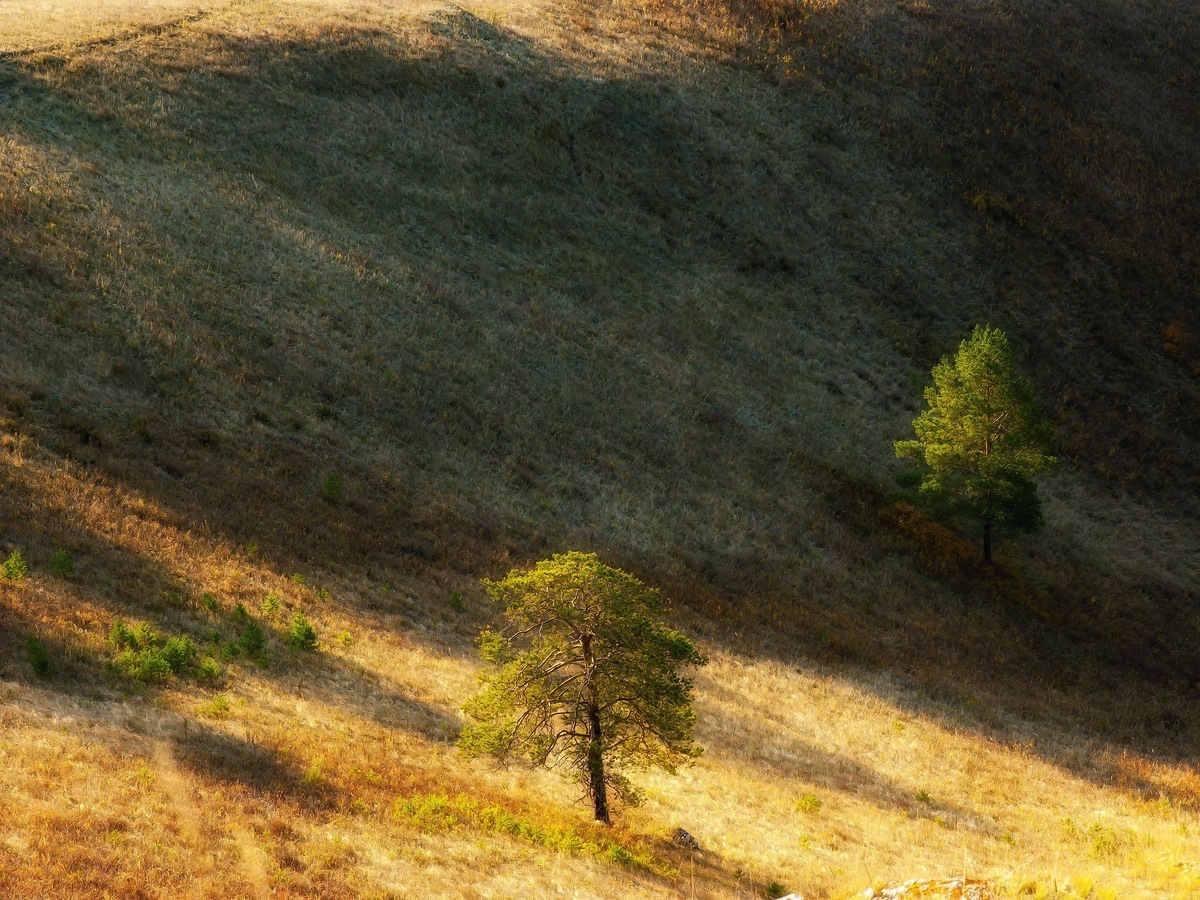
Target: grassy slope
{"x":659,"y":281}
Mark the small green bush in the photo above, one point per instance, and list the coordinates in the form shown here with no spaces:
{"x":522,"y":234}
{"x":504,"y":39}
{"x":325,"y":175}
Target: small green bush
{"x":216,"y":708}
{"x":145,"y":635}
{"x":208,"y":670}
{"x":61,"y":563}
{"x":38,"y":658}
{"x":15,"y":567}
{"x":808,"y":803}
{"x":209,"y":601}
{"x":619,"y":854}
{"x":270,"y":605}
{"x":180,"y":653}
{"x":456,"y":602}
{"x":301,"y":635}
{"x":252,"y":639}
{"x":775,"y":889}
{"x":122,"y":637}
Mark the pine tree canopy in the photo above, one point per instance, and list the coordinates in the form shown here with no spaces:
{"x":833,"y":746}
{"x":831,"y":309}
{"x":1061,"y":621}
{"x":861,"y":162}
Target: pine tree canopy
{"x":981,"y":439}
{"x":584,"y":678}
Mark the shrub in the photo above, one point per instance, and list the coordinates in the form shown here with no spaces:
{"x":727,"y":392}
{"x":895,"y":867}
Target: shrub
{"x":38,"y":658}
{"x":216,"y":708}
{"x":775,"y":889}
{"x":252,"y":639}
{"x":437,"y":813}
{"x":456,"y":602}
{"x":208,"y":670}
{"x":145,"y":636}
{"x":808,"y":803}
{"x":180,"y":653}
{"x":620,"y":855}
{"x":144,"y":665}
{"x":15,"y":567}
{"x":301,"y":635}
{"x":61,"y":563}
{"x":122,"y":637}
{"x":209,"y":601}
{"x":270,"y":605}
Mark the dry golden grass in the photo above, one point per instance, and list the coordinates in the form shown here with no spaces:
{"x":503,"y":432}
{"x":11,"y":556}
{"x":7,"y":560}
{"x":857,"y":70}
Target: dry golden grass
{"x":649,"y":279}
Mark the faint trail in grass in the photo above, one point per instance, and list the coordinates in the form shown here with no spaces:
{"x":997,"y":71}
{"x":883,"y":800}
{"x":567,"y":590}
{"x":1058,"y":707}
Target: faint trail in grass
{"x":175,"y":783}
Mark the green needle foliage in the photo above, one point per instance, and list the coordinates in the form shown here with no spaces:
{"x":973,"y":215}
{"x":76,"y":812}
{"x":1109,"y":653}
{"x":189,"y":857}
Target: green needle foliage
{"x":586,"y":678}
{"x":980,"y":441}
{"x":15,"y":567}
{"x":39,"y":659}
{"x":301,"y":635}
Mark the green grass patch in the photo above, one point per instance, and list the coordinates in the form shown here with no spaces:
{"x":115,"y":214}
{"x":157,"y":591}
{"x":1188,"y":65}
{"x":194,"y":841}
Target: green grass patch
{"x":440,"y":813}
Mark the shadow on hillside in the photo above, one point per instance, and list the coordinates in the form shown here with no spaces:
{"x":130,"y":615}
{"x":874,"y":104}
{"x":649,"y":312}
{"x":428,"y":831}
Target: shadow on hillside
{"x":1067,"y":130}
{"x":101,"y":590}
{"x":253,"y":470}
{"x":758,"y":737}
{"x":220,"y":757}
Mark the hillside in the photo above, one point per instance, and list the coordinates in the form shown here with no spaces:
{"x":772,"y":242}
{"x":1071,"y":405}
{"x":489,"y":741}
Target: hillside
{"x":337,"y":307}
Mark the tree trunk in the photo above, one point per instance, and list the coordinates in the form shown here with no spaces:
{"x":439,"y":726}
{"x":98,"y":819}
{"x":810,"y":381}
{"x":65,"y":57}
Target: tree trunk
{"x":987,"y":543}
{"x":595,"y":764}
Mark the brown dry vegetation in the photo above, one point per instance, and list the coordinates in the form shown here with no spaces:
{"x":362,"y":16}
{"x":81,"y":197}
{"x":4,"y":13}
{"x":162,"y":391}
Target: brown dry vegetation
{"x":661,"y":280}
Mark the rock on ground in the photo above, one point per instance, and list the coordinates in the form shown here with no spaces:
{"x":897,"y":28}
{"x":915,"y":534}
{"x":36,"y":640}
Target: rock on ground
{"x":928,"y":889}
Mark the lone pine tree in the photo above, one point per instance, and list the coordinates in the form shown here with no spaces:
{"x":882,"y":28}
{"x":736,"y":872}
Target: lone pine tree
{"x":980,"y":441}
{"x":585,"y":678}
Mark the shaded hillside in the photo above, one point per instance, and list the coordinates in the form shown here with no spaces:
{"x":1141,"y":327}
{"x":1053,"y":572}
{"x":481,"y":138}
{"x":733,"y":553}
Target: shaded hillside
{"x":1061,"y":139}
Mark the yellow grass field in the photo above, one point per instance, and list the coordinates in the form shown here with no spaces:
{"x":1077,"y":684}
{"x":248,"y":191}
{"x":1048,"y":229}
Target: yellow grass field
{"x":336,"y":308}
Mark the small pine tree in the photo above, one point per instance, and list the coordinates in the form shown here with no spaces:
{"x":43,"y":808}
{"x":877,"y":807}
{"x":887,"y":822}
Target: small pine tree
{"x":585,"y":678}
{"x":980,"y":441}
{"x":61,"y":563}
{"x":301,"y":635}
{"x":252,"y":639}
{"x":39,"y":659}
{"x":15,"y":567}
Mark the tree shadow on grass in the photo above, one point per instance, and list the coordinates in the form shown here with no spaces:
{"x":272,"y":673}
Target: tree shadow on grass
{"x":767,"y":741}
{"x":218,"y":756}
{"x":71,"y":615}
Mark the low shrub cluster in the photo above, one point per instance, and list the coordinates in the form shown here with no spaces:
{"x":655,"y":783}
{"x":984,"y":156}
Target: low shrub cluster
{"x":144,"y":656}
